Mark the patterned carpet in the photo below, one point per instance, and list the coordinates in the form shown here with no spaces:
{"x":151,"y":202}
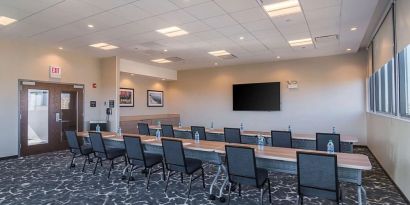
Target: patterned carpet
{"x":45,"y":179}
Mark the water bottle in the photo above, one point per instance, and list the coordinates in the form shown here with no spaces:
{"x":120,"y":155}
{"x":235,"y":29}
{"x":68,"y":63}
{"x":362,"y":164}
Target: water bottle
{"x":289,"y":129}
{"x":241,"y":126}
{"x":196,"y":137}
{"x":158,"y":134}
{"x":212,"y":125}
{"x":180,"y":124}
{"x":119,"y":131}
{"x":330,"y":147}
{"x":98,"y":128}
{"x":159,"y":123}
{"x":261,"y":142}
{"x":334,"y":130}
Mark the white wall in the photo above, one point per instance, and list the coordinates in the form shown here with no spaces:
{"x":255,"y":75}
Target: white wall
{"x":331,"y":93}
{"x":141,"y":84}
{"x":129,"y":66}
{"x":389,"y":140}
{"x":24,"y":60}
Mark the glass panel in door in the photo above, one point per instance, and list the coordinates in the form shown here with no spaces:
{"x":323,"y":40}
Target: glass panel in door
{"x":38,"y":110}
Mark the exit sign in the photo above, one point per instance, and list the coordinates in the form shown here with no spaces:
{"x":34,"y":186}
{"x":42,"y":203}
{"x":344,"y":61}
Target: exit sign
{"x":55,"y":72}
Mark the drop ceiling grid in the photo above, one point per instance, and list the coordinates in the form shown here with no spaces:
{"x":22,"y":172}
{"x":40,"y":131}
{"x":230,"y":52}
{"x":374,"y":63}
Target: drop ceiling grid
{"x":211,"y":24}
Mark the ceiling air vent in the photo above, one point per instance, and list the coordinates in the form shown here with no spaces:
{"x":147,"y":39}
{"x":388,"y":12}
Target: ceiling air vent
{"x":175,"y":59}
{"x":325,"y":41}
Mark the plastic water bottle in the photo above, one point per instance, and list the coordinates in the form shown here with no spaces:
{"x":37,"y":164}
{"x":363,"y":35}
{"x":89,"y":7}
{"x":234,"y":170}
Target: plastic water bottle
{"x":180,"y":124}
{"x":158,"y":134}
{"x":334,"y":130}
{"x":330,"y":147}
{"x":98,"y":128}
{"x":261,"y":142}
{"x":196,"y":137}
{"x":289,"y":129}
{"x":119,"y":131}
{"x":212,"y":125}
{"x":241,"y":126}
{"x":159,"y":123}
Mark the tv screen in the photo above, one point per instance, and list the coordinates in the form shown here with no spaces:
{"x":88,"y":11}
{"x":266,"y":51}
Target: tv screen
{"x":256,"y":97}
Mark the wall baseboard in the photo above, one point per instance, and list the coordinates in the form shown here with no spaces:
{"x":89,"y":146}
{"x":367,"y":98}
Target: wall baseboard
{"x":387,"y":174}
{"x":9,"y":157}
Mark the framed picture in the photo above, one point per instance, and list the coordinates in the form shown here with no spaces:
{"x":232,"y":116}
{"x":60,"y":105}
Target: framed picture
{"x":155,"y":98}
{"x":126,"y":97}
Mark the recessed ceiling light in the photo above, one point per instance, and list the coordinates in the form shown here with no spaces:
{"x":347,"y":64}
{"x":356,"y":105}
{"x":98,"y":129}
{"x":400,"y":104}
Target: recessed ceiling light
{"x":301,"y":42}
{"x":277,"y":57}
{"x":216,"y":64}
{"x":6,"y":20}
{"x":219,"y":53}
{"x":104,"y":46}
{"x":353,"y":28}
{"x":90,"y":26}
{"x":163,"y":79}
{"x":161,"y":60}
{"x":165,"y":50}
{"x":132,"y":74}
{"x":61,"y":48}
{"x":349,"y":49}
{"x":283,"y":8}
{"x":172,"y":31}
{"x":241,"y":38}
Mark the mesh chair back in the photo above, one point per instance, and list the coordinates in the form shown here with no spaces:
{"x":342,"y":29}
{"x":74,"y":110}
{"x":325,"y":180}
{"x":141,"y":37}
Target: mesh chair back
{"x":323,"y":138}
{"x":72,"y":140}
{"x":240,"y":161}
{"x":317,"y":175}
{"x":281,"y":139}
{"x":133,"y":147}
{"x":173,"y":152}
{"x":167,"y":130}
{"x":232,"y":135}
{"x":143,"y":129}
{"x":97,"y":142}
{"x":200,"y":130}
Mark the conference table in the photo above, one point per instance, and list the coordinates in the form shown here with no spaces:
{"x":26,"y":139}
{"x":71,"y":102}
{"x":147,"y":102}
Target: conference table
{"x":299,"y":140}
{"x":276,"y":159}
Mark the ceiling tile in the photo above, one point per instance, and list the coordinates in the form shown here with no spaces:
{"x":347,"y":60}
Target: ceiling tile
{"x":263,"y":24}
{"x":177,"y":17}
{"x":106,"y":4}
{"x":250,"y":15}
{"x":195,"y":27}
{"x":220,"y":21}
{"x":236,"y":5}
{"x":130,"y":12}
{"x":205,"y":10}
{"x":187,"y":3}
{"x":317,"y":4}
{"x":208,"y":35}
{"x":156,"y":7}
{"x":231,"y":30}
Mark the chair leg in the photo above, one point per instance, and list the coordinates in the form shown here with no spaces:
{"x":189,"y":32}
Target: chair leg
{"x":240,"y":189}
{"x":95,"y":166}
{"x":72,"y":162}
{"x":229,"y":192}
{"x":149,"y":176}
{"x":270,"y":192}
{"x":89,"y":159}
{"x":163,"y":171}
{"x":85,"y":161}
{"x":189,"y":186}
{"x":261,"y":196}
{"x":125,"y":160}
{"x":166,"y":185}
{"x":182,"y":177}
{"x":301,"y":199}
{"x":130,"y":174}
{"x":111,"y":166}
{"x":203,"y":178}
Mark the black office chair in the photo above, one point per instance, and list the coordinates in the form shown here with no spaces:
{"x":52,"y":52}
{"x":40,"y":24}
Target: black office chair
{"x":167,"y":130}
{"x":232,"y":135}
{"x":322,"y":139}
{"x":176,"y":162}
{"x":143,"y":129}
{"x":77,"y":149}
{"x":242,"y":170}
{"x":137,"y":158}
{"x":281,"y":139}
{"x":318,"y":177}
{"x":103,"y":153}
{"x":200,"y":130}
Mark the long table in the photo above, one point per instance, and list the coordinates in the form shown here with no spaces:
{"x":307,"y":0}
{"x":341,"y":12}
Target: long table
{"x":299,"y":140}
{"x":350,"y":166}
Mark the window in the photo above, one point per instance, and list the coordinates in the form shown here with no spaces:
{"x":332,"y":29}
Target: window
{"x":371,"y":93}
{"x":404,"y":85}
{"x":382,"y":89}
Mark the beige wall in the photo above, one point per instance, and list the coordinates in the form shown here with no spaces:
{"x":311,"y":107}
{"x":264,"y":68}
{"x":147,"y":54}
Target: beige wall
{"x":109,"y":89}
{"x":23,"y":60}
{"x":331,"y":93}
{"x":141,"y":84}
{"x":389,"y":140}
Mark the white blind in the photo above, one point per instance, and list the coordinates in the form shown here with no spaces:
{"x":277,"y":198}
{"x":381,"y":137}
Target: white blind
{"x":370,"y":60}
{"x":383,"y":43}
{"x":402,"y":24}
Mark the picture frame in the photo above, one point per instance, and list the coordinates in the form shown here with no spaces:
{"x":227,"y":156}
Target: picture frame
{"x":126,"y":97}
{"x":155,"y":98}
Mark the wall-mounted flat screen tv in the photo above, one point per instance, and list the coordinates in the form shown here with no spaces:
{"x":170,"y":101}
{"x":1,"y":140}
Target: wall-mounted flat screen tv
{"x":256,"y":97}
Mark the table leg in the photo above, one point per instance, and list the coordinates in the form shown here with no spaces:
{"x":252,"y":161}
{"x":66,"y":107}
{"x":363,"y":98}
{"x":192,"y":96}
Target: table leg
{"x":225,"y":180}
{"x":215,"y":179}
{"x":361,"y":189}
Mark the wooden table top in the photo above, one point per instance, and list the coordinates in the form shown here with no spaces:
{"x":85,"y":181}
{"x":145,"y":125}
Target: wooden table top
{"x":300,"y":136}
{"x":346,"y":160}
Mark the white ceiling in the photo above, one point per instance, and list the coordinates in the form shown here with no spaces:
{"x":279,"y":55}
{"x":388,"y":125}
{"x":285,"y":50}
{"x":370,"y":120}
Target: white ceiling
{"x":212,"y":25}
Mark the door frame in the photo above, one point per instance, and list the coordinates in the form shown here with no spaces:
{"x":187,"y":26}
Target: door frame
{"x":80,"y":106}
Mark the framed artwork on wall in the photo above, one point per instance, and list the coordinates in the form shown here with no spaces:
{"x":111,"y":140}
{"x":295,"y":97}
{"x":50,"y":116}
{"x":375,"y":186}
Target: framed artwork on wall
{"x":126,"y":97}
{"x":155,"y":98}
